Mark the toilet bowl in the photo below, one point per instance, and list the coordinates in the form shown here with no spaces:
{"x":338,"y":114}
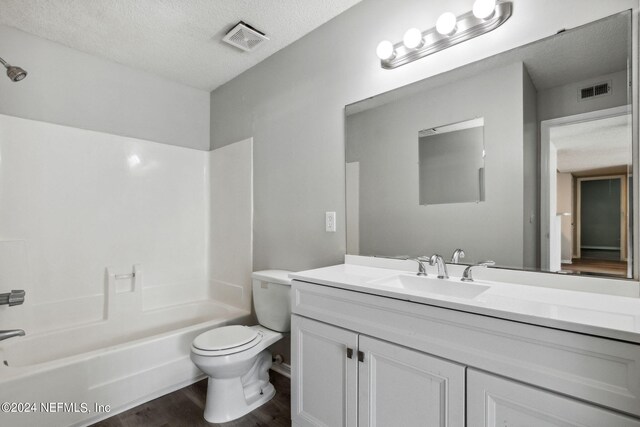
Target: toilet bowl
{"x":236,"y":358}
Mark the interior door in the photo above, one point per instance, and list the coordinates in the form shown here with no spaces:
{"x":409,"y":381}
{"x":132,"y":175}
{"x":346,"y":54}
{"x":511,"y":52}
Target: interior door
{"x":601,"y":215}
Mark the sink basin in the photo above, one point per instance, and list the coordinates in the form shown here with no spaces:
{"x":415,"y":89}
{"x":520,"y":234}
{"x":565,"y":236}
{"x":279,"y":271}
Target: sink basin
{"x":424,"y":284}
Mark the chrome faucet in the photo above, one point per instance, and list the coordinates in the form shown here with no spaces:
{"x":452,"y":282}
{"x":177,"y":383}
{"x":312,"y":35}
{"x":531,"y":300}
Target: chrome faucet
{"x":468,"y":277}
{"x":421,"y":270}
{"x":15,"y":297}
{"x":11,"y":333}
{"x":442,"y":266}
{"x":457,"y":255}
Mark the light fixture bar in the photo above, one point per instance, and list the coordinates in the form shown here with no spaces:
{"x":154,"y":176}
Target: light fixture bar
{"x":467,"y":27}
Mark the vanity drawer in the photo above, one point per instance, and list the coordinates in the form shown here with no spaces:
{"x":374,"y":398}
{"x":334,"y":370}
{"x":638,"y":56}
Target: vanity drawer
{"x":599,"y":370}
{"x":497,"y":402}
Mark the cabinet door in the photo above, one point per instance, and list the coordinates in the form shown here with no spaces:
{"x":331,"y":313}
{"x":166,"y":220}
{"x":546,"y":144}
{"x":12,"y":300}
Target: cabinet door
{"x":498,"y":402}
{"x":402,"y":387}
{"x":323,"y":377}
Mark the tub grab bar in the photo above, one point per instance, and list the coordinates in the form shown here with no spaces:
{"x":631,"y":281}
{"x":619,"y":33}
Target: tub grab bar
{"x":124,"y":276}
{"x":15,"y":297}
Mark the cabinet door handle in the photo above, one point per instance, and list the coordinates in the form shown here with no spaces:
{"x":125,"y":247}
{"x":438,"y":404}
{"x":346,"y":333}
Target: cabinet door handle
{"x":349,"y":353}
{"x":360,"y":356}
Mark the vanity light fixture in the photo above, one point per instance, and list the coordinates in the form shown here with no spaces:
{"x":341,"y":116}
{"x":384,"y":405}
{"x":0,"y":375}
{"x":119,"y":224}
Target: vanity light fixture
{"x":484,"y":9}
{"x":486,"y":15}
{"x":413,"y":39}
{"x":385,"y":50}
{"x":446,"y":24}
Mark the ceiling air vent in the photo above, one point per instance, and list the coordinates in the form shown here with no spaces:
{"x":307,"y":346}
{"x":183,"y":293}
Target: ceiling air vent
{"x":245,"y":37}
{"x":593,"y":91}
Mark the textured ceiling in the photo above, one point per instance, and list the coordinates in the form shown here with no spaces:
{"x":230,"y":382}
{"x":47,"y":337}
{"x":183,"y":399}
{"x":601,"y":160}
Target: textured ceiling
{"x":595,"y":144}
{"x":177,"y":39}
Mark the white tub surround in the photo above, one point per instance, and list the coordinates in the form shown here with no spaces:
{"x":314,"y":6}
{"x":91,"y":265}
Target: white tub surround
{"x":375,"y":338}
{"x":231,"y":223}
{"x":109,"y":237}
{"x":74,"y":203}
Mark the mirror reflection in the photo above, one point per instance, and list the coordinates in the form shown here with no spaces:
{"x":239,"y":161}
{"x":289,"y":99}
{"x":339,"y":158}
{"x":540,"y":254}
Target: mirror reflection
{"x":451,"y":163}
{"x":553,"y":170}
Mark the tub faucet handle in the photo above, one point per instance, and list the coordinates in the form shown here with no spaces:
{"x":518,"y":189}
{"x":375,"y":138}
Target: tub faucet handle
{"x":15,"y":297}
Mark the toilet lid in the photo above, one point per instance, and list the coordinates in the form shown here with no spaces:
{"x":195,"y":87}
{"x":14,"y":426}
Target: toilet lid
{"x":225,"y":337}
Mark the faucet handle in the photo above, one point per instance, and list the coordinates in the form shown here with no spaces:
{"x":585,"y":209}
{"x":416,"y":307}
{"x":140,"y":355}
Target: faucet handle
{"x":16,"y":297}
{"x":421,"y":270}
{"x":487,"y":263}
{"x":468,"y":277}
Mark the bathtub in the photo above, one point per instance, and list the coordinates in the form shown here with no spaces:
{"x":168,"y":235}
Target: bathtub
{"x":77,"y":376}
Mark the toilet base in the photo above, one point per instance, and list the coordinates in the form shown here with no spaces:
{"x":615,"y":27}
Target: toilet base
{"x":231,"y":398}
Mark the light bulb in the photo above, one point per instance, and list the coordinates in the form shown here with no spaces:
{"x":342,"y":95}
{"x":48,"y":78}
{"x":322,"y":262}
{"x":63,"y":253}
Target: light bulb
{"x":385,"y":50}
{"x":446,"y":24}
{"x":413,"y":38}
{"x":484,"y":9}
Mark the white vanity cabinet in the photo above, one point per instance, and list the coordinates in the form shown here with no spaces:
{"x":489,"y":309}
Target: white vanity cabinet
{"x":346,"y":379}
{"x":325,"y":392}
{"x":498,"y":402}
{"x":365,"y":359}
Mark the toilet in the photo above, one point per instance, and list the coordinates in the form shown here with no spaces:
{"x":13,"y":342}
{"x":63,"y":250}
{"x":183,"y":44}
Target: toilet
{"x":236,"y":358}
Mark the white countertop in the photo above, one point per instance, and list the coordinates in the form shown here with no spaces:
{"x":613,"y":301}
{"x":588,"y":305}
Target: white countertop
{"x":608,"y":316}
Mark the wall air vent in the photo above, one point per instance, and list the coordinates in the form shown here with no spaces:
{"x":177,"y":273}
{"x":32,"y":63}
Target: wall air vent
{"x":244,"y":37}
{"x":592,"y":91}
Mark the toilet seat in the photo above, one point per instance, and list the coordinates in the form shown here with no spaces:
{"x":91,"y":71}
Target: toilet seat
{"x":226,"y":340}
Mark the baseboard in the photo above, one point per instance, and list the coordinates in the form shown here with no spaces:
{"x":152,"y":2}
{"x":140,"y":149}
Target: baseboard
{"x":282,"y":368}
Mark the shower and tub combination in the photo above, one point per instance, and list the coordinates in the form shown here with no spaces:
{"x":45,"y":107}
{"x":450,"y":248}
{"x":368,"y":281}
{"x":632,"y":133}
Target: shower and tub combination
{"x":74,"y":203}
{"x":15,"y":297}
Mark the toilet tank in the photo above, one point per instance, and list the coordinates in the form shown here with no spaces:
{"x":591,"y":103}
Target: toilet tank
{"x":272,"y":299}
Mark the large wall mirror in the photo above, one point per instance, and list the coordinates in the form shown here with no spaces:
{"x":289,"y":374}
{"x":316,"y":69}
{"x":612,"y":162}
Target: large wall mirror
{"x":526,"y":158}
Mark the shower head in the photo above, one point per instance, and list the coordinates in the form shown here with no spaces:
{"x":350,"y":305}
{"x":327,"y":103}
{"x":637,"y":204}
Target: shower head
{"x":14,"y":73}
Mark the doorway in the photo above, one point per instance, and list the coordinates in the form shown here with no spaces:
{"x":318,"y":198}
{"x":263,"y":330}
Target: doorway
{"x":586,"y":193}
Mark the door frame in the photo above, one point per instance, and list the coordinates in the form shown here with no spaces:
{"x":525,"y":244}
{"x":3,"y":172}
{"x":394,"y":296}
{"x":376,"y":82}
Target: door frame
{"x":623,"y":212}
{"x":546,"y":204}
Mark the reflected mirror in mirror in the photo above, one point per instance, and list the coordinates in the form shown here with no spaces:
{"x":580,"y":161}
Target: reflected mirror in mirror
{"x":559,"y":171}
{"x":451,"y":163}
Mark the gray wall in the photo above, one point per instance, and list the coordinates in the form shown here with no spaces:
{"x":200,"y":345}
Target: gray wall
{"x":292,"y":104}
{"x":71,"y":88}
{"x":385,"y":142}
